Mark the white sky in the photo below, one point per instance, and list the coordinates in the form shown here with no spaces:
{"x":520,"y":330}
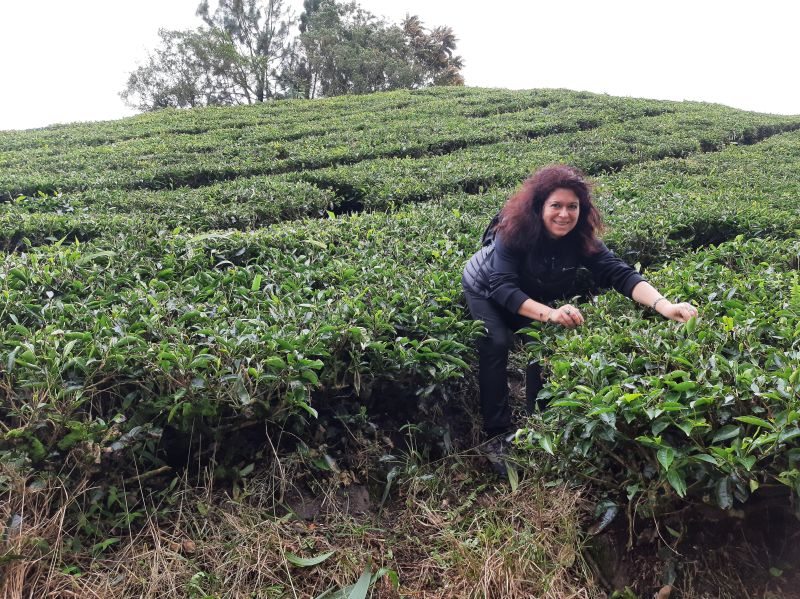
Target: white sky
{"x":66,"y":60}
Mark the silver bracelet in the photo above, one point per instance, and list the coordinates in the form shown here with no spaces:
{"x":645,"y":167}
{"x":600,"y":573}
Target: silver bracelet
{"x":655,"y":303}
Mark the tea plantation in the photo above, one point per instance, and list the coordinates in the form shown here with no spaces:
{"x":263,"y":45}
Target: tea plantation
{"x":195,"y":271}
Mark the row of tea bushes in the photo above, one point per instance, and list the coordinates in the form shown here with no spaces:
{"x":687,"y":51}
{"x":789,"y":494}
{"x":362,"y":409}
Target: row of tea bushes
{"x":198,"y":330}
{"x":197,"y":159}
{"x":703,"y":199}
{"x":248,"y":202}
{"x":248,"y":127}
{"x":198,"y":121}
{"x":376,"y":183}
{"x":242,"y":204}
{"x":287,"y":119}
{"x":689,"y":202}
{"x":708,"y":410}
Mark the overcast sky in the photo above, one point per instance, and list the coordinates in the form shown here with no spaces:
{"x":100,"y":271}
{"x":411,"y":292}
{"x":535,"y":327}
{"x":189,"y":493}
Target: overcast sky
{"x":63,"y":61}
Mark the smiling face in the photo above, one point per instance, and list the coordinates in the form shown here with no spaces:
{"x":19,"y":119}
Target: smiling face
{"x":560,"y":212}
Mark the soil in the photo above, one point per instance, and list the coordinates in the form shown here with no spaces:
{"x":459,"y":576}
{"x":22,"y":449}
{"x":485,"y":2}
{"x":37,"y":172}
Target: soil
{"x":713,"y":554}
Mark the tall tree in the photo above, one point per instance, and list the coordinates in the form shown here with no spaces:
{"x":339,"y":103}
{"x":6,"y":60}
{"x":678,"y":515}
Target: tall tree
{"x":245,"y":53}
{"x":188,"y":69}
{"x":236,"y":58}
{"x":432,"y":53}
{"x":309,"y":8}
{"x":258,"y":37}
{"x":348,"y":50}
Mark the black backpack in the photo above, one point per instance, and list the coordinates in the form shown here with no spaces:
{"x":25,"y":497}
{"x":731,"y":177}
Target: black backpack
{"x":488,"y":234}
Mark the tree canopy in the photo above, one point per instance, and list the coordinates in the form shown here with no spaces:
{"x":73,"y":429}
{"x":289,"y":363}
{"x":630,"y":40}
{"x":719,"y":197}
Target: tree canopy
{"x":246,"y":52}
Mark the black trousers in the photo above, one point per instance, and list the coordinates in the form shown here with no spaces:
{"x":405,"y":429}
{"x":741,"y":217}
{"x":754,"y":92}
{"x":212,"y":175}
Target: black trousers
{"x":501,"y":326}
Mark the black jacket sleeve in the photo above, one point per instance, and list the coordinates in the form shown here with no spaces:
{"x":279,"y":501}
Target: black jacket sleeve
{"x":504,"y":277}
{"x":609,"y":271}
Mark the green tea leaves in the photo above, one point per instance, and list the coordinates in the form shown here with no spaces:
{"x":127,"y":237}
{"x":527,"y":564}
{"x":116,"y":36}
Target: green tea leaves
{"x":666,"y":455}
{"x":691,"y":325}
{"x":677,"y":481}
{"x":755,"y":421}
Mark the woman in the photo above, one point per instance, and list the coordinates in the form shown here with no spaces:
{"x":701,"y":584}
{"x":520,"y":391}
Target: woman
{"x":545,"y":232}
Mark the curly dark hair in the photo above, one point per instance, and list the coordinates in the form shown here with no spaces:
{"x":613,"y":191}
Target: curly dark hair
{"x":521,"y":222}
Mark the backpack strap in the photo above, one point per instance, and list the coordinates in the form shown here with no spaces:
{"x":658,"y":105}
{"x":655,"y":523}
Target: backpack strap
{"x":488,"y":234}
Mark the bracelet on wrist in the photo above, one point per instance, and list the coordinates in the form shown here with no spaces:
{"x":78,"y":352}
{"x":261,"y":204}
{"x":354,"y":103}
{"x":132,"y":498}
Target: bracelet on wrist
{"x":549,"y":314}
{"x":658,"y":299}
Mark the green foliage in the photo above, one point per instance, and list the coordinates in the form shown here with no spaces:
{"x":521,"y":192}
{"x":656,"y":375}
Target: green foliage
{"x":227,"y":325}
{"x":708,"y":410}
{"x":397,"y":125}
{"x":235,"y":59}
{"x":703,"y":199}
{"x":605,"y":146}
{"x":205,"y":268}
{"x":246,"y":54}
{"x":347,"y":50}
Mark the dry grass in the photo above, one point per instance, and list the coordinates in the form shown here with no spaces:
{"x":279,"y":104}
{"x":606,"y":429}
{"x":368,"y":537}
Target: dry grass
{"x":446,"y":535}
{"x":32,"y":523}
{"x":468,"y":541}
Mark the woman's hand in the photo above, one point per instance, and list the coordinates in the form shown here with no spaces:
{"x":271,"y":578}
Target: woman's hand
{"x":567,"y":315}
{"x":680,"y":312}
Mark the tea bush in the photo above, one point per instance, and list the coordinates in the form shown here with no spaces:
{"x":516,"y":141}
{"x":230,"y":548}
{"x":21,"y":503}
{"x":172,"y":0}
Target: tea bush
{"x":127,"y":310}
{"x":195,"y":329}
{"x":377,"y":183}
{"x":703,"y":199}
{"x":708,"y":410}
{"x":293,"y":143}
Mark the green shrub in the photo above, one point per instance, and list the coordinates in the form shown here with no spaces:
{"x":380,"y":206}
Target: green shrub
{"x":707,"y":411}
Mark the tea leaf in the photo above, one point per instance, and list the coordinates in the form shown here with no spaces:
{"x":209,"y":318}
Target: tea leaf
{"x":666,"y":455}
{"x":677,"y":482}
{"x":755,"y":421}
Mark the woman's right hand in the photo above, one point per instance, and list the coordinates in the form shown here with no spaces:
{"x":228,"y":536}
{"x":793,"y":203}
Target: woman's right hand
{"x":567,"y":315}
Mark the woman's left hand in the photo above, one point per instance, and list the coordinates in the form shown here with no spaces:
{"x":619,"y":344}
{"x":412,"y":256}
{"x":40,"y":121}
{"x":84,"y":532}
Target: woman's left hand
{"x":680,"y":312}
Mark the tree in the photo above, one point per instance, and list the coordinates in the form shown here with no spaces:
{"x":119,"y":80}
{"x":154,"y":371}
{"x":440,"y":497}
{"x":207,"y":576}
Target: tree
{"x":433,"y":53}
{"x":348,"y":50}
{"x":309,"y":8}
{"x":244,"y":53}
{"x":187,"y":70}
{"x":236,"y":58}
{"x":258,"y":38}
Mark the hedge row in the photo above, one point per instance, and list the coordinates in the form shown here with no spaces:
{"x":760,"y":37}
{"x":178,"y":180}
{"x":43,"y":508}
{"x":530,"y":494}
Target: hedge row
{"x":282,"y":118}
{"x":376,"y":183}
{"x":240,"y":204}
{"x":689,"y":202}
{"x":657,"y":210}
{"x":708,"y":410}
{"x":221,"y":327}
{"x":197,"y":121}
{"x":197,"y":159}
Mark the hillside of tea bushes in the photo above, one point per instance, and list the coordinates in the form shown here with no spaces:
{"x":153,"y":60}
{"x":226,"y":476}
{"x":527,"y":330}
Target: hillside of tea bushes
{"x":198,"y":270}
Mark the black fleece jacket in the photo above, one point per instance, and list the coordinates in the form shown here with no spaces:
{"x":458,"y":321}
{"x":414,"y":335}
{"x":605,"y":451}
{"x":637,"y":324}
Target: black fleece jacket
{"x":509,"y":277}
